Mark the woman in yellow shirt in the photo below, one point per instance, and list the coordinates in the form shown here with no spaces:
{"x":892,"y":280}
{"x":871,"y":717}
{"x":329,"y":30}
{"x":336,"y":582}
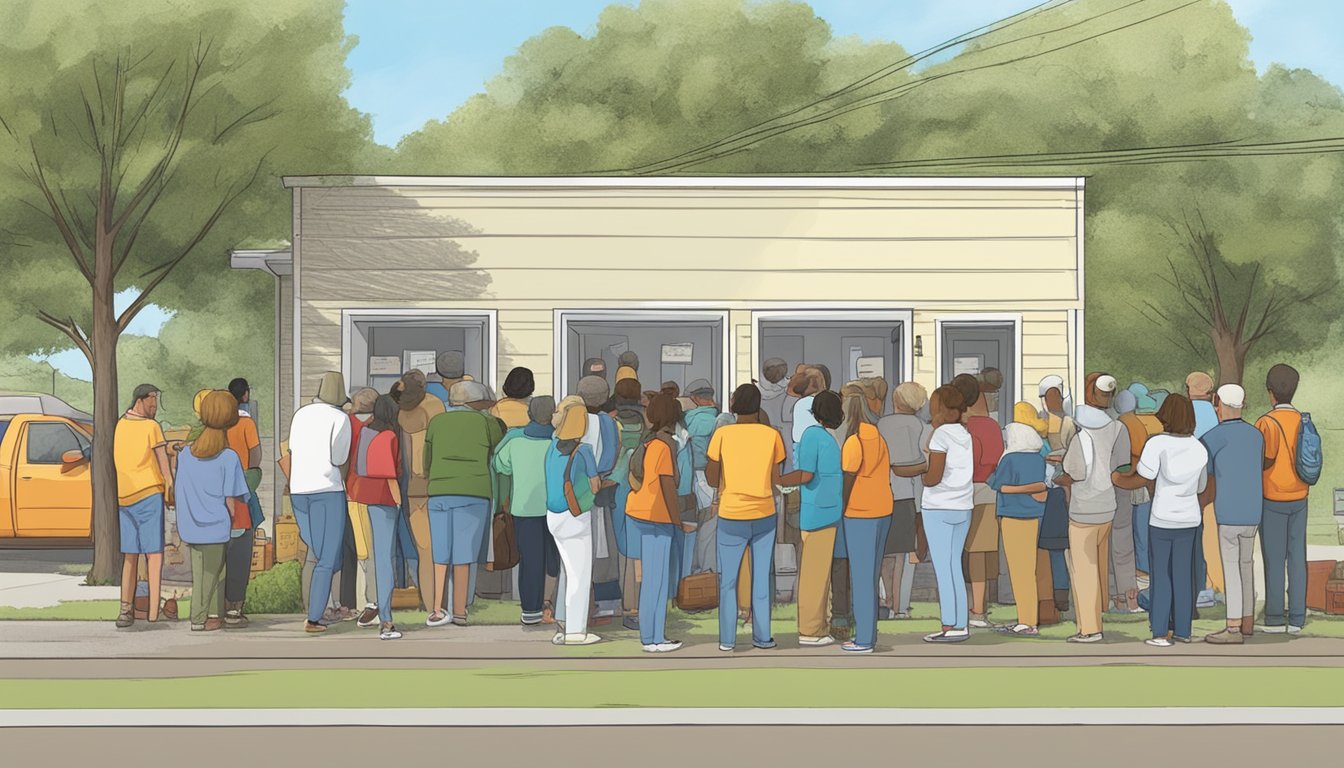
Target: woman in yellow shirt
{"x":868,"y":504}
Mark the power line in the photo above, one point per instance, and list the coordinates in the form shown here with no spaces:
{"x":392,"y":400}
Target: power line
{"x":873,"y":77}
{"x":902,"y":90}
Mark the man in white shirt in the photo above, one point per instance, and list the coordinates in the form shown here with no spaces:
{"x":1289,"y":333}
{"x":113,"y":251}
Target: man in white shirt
{"x":319,"y":445}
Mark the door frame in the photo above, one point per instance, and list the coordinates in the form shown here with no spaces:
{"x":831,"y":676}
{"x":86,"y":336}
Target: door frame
{"x":906,"y":317}
{"x":366,"y":314}
{"x":962,"y":320}
{"x":564,"y":317}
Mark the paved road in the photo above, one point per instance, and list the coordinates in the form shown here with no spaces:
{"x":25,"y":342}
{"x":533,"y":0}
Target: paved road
{"x":651,"y":747}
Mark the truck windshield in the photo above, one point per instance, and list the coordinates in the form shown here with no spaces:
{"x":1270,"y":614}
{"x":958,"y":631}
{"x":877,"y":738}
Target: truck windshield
{"x":4,"y":426}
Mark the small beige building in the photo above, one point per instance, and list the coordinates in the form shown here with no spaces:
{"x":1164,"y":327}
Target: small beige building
{"x":918,"y":278}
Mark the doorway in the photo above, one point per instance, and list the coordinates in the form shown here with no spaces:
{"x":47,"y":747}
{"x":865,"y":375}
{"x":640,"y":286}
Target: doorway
{"x":671,"y":346}
{"x":851,"y":345}
{"x":972,"y":346}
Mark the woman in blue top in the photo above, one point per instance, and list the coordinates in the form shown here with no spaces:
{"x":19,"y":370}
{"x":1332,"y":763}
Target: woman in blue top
{"x":1020,"y":482}
{"x":571,"y":484}
{"x":209,"y":481}
{"x":818,"y":472}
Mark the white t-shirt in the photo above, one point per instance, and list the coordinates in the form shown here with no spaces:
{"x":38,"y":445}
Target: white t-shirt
{"x":955,"y":493}
{"x":1178,"y":465}
{"x":319,"y":443}
{"x":802,"y":418}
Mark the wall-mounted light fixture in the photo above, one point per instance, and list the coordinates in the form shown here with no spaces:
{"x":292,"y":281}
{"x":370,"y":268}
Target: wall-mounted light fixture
{"x":919,"y":346}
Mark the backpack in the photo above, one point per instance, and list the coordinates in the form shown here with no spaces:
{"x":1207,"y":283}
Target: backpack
{"x":1307,"y":456}
{"x":636,"y":471}
{"x":631,"y":437}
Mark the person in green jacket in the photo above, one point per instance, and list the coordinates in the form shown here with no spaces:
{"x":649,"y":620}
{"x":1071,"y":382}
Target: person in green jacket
{"x":458,"y":448}
{"x":522,"y":457}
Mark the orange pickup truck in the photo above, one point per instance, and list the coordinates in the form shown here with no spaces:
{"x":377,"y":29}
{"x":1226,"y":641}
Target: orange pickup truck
{"x":45,"y":484}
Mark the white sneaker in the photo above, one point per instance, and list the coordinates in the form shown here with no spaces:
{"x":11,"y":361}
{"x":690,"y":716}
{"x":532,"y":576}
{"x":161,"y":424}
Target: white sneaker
{"x":442,"y":621}
{"x":1205,"y":599}
{"x":1292,"y":630}
{"x":587,"y":639}
{"x":815,"y":641}
{"x":559,"y":639}
{"x":726,"y":648}
{"x":1279,"y":629}
{"x":980,"y":622}
{"x":1158,"y":642}
{"x":389,"y":633}
{"x":665,"y":647}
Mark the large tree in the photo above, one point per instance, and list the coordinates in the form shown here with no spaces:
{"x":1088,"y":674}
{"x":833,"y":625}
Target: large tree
{"x":139,"y":141}
{"x":669,"y":77}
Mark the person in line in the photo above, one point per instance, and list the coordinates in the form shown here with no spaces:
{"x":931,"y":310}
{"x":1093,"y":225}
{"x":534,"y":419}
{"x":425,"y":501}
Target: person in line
{"x":982,"y":542}
{"x":360,"y":527}
{"x":683,"y":538}
{"x":904,"y":433}
{"x":1236,"y":488}
{"x":948,"y":499}
{"x":319,"y":444}
{"x":522,"y":458}
{"x":1208,"y":560}
{"x":654,"y":510}
{"x":744,"y":461}
{"x":1174,"y":466}
{"x":458,"y":447}
{"x":1019,"y":480}
{"x":572,"y":482}
{"x":627,"y":366}
{"x":670,"y":388}
{"x":1125,"y":595}
{"x":774,"y":390}
{"x":415,"y":412}
{"x":1101,"y":448}
{"x":512,"y":410}
{"x":376,"y":469}
{"x":842,"y":598}
{"x":1054,"y":523}
{"x":245,"y":441}
{"x":450,"y":368}
{"x":700,"y":422}
{"x":1141,"y":426}
{"x":632,"y":429}
{"x":868,"y":505}
{"x":210,"y":485}
{"x":144,"y":488}
{"x":1056,"y":409}
{"x":820,"y":475}
{"x":603,"y":437}
{"x":1283,"y":529}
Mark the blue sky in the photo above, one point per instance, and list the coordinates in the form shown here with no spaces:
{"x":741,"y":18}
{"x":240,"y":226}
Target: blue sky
{"x":419,"y":59}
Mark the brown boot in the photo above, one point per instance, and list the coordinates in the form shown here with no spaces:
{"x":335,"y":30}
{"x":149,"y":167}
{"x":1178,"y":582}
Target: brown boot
{"x":1062,"y":600}
{"x":1247,"y":626}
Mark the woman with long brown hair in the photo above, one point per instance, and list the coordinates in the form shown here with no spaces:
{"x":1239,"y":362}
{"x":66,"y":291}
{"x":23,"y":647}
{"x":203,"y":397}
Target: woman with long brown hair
{"x":867,"y":503}
{"x":210,"y":489}
{"x":948,"y":500}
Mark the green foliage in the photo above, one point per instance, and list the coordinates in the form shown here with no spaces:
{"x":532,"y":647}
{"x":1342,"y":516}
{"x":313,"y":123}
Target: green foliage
{"x":278,"y":590}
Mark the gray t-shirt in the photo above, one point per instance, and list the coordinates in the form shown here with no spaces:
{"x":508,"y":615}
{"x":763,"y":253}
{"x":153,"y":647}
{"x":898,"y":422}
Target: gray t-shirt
{"x":904,"y":434}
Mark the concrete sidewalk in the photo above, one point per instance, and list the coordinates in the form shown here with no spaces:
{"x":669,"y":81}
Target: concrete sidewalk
{"x":47,"y":590}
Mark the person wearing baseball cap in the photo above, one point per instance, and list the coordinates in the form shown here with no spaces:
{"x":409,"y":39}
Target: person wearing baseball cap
{"x":700,"y":420}
{"x":1123,"y":554}
{"x":1236,"y":491}
{"x":1208,"y":561}
{"x":1088,"y":467}
{"x":144,"y":488}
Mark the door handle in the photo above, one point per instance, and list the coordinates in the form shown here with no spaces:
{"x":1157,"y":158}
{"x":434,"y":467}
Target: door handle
{"x":25,"y":478}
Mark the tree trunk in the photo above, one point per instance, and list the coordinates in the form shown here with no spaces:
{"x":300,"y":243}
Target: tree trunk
{"x":1231,"y":358}
{"x":103,"y":341}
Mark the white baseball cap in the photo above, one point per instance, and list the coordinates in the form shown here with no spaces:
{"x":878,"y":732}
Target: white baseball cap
{"x":1232,"y":395}
{"x":1052,"y":382}
{"x":1106,"y":383}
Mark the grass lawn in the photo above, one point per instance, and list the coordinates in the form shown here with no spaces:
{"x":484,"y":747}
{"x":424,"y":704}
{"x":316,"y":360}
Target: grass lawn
{"x":78,"y":610}
{"x":1134,"y":686}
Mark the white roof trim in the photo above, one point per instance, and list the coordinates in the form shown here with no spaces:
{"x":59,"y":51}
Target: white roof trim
{"x":693,"y":182}
{"x":277,"y":262}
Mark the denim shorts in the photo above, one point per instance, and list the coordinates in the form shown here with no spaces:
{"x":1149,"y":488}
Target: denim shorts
{"x":457,"y":528}
{"x":141,"y":526}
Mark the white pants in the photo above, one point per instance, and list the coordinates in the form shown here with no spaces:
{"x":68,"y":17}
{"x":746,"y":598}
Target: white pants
{"x":574,"y":539}
{"x":1236,"y":544}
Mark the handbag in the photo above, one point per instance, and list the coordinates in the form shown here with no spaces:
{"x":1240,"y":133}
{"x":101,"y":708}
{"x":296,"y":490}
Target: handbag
{"x":505,"y":552}
{"x":571,"y":500}
{"x":698,"y":592}
{"x":240,"y":515}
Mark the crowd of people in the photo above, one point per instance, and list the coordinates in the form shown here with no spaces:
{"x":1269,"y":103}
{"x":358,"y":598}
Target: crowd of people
{"x":1135,"y":500}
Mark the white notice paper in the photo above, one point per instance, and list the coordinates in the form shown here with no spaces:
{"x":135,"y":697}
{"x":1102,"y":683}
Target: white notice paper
{"x":420,"y":359}
{"x":872,"y":367}
{"x":970,"y":365}
{"x":384,"y":365}
{"x":678,"y":354}
{"x":855,"y":353}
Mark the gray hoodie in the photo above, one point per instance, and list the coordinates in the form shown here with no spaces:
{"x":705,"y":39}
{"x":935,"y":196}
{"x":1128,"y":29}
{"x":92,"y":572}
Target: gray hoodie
{"x":1102,"y":446}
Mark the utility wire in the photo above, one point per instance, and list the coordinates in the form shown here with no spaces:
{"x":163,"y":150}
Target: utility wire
{"x":899,"y":91}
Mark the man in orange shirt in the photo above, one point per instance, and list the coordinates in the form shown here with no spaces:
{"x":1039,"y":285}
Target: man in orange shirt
{"x":744,"y":462}
{"x":1283,"y":529}
{"x":245,"y":441}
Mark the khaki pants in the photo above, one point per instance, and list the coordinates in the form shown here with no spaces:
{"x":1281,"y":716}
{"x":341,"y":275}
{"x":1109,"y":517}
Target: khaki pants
{"x":418,"y":520}
{"x":1019,"y":549}
{"x":1089,"y":565}
{"x":359,"y":521}
{"x":1213,"y":556}
{"x":814,"y":582}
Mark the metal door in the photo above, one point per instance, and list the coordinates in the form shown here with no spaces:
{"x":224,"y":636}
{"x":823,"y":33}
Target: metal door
{"x":972,"y":347}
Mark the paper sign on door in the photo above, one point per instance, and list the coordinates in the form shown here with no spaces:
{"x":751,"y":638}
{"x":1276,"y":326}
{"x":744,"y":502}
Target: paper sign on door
{"x":970,"y":365}
{"x":872,"y":367}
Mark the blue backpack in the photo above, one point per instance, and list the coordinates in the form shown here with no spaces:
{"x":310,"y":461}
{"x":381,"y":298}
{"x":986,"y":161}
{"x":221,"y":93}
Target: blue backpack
{"x":1306,"y":455}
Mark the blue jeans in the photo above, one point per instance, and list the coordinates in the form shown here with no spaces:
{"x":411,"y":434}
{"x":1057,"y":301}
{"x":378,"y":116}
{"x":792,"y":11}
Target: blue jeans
{"x":655,"y":542}
{"x":1141,"y":514}
{"x":866,"y":539}
{"x":321,"y":518}
{"x":1283,"y":544}
{"x":1173,"y":579}
{"x":383,"y":522}
{"x":1059,"y":569}
{"x":946,"y":532}
{"x":734,"y":536}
